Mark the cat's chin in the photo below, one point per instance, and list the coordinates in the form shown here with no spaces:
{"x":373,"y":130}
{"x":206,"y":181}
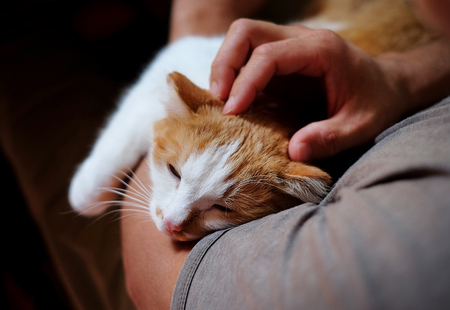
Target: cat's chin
{"x":175,"y":235}
{"x":180,"y":235}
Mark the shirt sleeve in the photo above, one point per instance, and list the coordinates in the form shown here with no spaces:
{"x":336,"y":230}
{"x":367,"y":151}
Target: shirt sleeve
{"x":378,"y":241}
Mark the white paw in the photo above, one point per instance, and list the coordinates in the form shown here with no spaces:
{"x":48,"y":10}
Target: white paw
{"x":87,"y":192}
{"x":128,"y":133}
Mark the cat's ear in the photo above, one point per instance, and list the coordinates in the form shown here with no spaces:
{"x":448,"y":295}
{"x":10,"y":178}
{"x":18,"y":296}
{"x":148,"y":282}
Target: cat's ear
{"x":185,"y":97}
{"x":307,"y":183}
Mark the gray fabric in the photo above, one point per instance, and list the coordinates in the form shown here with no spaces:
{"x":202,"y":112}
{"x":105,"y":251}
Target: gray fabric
{"x":380,"y":239}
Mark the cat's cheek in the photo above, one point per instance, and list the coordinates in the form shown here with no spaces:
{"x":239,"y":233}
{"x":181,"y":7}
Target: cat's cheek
{"x":156,"y":215}
{"x":161,"y":226}
{"x":214,"y":225}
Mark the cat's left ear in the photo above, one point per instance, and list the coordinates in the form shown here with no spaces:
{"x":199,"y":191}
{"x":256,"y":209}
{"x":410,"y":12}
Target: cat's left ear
{"x":185,"y":97}
{"x":305,"y":182}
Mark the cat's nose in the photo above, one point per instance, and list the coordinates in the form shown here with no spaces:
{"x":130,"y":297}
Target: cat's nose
{"x":171,"y":227}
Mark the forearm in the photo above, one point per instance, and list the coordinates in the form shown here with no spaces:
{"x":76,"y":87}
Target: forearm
{"x":422,"y":75}
{"x":208,"y":17}
{"x":152,"y":259}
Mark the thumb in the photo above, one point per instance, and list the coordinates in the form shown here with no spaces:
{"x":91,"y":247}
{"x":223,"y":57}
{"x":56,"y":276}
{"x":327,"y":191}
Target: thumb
{"x":322,"y":139}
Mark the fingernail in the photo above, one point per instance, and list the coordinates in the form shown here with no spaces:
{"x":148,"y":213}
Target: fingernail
{"x":214,"y":89}
{"x":230,"y":105}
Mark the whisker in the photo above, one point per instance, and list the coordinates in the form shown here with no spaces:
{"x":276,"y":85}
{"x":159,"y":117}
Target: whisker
{"x":145,"y":219}
{"x":120,"y":179}
{"x":122,"y":216}
{"x":253,"y":180}
{"x":135,"y":205}
{"x":122,"y":193}
{"x":138,"y":182}
{"x":131,"y":189}
{"x":140,"y":212}
{"x":268,"y":176}
{"x":259,"y":182}
{"x":102,"y":216}
{"x":271,"y":208}
{"x":117,"y":203}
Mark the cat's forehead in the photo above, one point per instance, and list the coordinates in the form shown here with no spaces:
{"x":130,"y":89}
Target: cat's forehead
{"x":210,"y":168}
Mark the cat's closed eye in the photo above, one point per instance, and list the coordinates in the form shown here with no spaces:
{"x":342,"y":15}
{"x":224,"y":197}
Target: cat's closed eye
{"x":174,"y":171}
{"x":222,"y":208}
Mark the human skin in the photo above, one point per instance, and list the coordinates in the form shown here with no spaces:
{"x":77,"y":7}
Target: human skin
{"x":435,"y":14}
{"x":208,"y":17}
{"x":365,"y":95}
{"x":153,"y":260}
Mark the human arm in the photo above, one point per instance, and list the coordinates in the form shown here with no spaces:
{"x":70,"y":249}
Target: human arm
{"x":152,"y":259}
{"x":378,"y":241}
{"x":208,"y":17}
{"x":365,"y":95}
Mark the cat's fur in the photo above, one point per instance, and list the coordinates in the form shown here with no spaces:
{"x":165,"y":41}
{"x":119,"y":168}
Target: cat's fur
{"x":225,"y":170}
{"x":210,"y":171}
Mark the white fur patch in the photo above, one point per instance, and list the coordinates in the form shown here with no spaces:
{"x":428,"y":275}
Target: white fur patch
{"x":202,"y":184}
{"x":205,"y":173}
{"x":307,"y":189}
{"x":128,"y":133}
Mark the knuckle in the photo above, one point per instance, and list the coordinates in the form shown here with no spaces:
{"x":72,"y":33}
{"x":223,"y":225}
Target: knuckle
{"x":264,"y":51}
{"x":242,"y":25}
{"x":328,"y":139}
{"x":326,"y":35}
{"x":327,"y":41}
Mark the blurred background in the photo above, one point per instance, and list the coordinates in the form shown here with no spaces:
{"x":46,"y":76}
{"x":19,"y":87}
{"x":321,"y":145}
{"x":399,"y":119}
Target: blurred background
{"x":42,"y":42}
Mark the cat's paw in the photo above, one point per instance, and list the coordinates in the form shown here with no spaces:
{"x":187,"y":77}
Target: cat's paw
{"x":127,"y":136}
{"x":89,"y":192}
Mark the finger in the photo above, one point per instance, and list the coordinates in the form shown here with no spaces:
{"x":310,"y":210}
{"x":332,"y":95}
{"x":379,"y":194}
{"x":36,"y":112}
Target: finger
{"x":244,"y":36}
{"x":324,"y":139}
{"x":311,"y":54}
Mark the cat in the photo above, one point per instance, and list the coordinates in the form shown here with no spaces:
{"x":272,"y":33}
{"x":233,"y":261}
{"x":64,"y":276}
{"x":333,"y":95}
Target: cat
{"x":210,"y":171}
{"x":224,"y":170}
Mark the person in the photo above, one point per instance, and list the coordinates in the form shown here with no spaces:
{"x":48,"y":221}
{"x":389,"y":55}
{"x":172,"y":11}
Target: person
{"x":63,"y":69}
{"x":378,"y":240}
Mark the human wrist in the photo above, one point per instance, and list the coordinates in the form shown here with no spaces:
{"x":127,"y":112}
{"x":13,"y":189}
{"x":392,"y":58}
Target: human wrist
{"x":420,"y":76}
{"x":208,"y":17}
{"x":396,"y":78}
{"x":198,"y":18}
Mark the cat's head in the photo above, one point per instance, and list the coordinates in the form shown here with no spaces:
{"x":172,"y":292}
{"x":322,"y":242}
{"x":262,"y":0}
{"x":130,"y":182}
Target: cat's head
{"x":211,"y":171}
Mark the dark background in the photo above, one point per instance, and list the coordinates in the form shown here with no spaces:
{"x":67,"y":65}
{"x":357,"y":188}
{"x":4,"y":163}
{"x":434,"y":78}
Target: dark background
{"x":110,"y":39}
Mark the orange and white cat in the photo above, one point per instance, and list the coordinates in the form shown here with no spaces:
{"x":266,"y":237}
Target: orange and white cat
{"x":210,"y":171}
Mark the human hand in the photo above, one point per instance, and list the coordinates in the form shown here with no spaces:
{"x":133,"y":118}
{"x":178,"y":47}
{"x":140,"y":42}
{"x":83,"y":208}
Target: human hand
{"x":364,"y":94}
